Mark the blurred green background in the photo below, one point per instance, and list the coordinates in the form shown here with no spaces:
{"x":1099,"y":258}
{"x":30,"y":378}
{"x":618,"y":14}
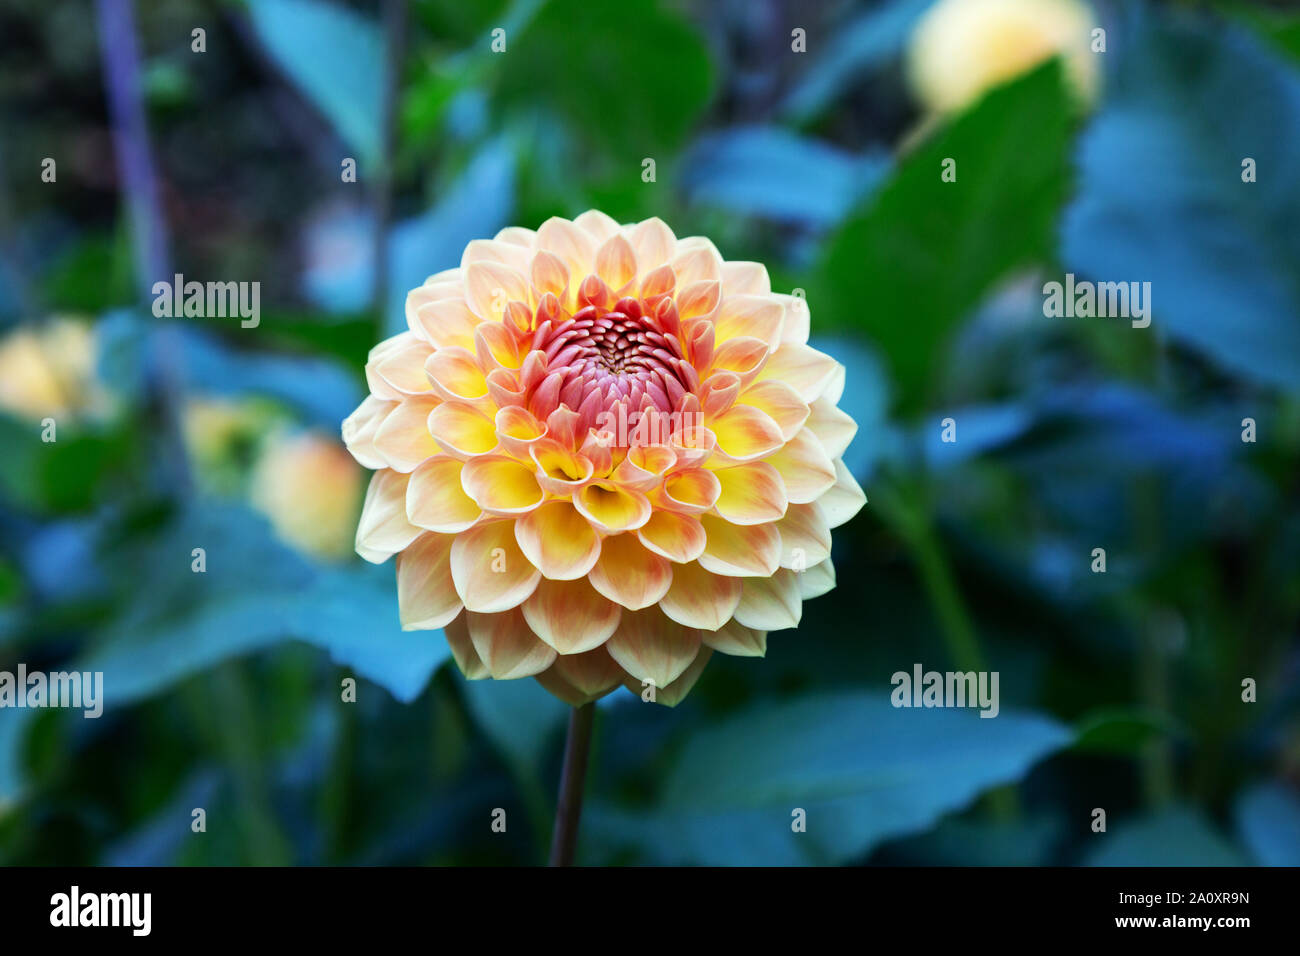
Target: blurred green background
{"x":1120,"y":691}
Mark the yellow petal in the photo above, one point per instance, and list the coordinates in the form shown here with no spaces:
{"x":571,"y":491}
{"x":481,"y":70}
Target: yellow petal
{"x":805,"y":537}
{"x":628,"y":574}
{"x":770,"y":604}
{"x":456,"y":375}
{"x":651,"y":647}
{"x":383,"y":529}
{"x":806,"y":470}
{"x":501,"y":485}
{"x":403,"y":439}
{"x":744,"y":433}
{"x":698,"y":598}
{"x":558,"y":540}
{"x":679,"y":538}
{"x":699,"y":299}
{"x":750,"y":493}
{"x":435,"y":499}
{"x":740,"y":550}
{"x":462,"y":430}
{"x":426,"y":594}
{"x":508,"y":649}
{"x":490,"y":571}
{"x":692,"y":491}
{"x":612,"y":509}
{"x":737,"y":640}
{"x":570,"y":616}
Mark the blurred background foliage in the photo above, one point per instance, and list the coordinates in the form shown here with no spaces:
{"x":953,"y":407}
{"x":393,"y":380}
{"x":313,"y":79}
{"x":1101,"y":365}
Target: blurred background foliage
{"x":1120,"y":690}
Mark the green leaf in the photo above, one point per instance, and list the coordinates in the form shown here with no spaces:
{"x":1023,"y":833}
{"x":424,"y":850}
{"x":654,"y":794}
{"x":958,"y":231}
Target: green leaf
{"x":1121,"y":730}
{"x":631,"y":77}
{"x":862,"y":769}
{"x":336,"y":57}
{"x":924,"y":252}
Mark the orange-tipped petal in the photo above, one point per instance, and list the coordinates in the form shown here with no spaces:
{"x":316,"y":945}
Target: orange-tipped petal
{"x":558,"y":540}
{"x":505,"y":645}
{"x":699,"y":598}
{"x":780,"y":403}
{"x":490,"y":287}
{"x":630,"y":575}
{"x":679,"y":538}
{"x":755,"y":316}
{"x":449,"y":323}
{"x":616,"y":262}
{"x":490,"y":572}
{"x":456,"y":375}
{"x":426,"y":594}
{"x":735,"y":639}
{"x":652,"y":647}
{"x":744,"y":433}
{"x":571,"y":616}
{"x":579,"y":679}
{"x":462,"y":649}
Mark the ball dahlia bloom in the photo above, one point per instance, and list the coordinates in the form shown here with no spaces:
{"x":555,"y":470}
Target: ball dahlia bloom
{"x":602,"y":453}
{"x":962,"y":48}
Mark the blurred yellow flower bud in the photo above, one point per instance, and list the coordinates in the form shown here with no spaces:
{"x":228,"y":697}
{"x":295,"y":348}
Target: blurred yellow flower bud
{"x":963,"y":48}
{"x":310,"y":489}
{"x":49,"y":370}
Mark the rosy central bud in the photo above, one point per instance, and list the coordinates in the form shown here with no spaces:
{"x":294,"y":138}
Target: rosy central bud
{"x":601,"y":359}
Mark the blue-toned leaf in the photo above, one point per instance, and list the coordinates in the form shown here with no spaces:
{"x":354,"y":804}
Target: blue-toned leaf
{"x":1161,"y":197}
{"x":1178,"y":836}
{"x":863,"y":770}
{"x":1268,"y":819}
{"x":336,"y":57}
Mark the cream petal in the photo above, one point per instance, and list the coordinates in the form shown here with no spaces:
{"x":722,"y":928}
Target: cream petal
{"x":571,"y":244}
{"x":571,"y":616}
{"x":508,"y":649}
{"x":359,"y":430}
{"x":651,"y":647}
{"x":735,"y":639}
{"x":806,"y":470}
{"x":558,"y":540}
{"x":449,"y":323}
{"x":679,"y":538}
{"x":426,"y":594}
{"x":435,"y":499}
{"x":750,"y":494}
{"x":796,"y":322}
{"x":549,"y":274}
{"x":517,"y":235}
{"x":832,"y":426}
{"x":745,"y":278}
{"x":462,"y":649}
{"x":740,"y":550}
{"x":616,"y":262}
{"x":755,"y":316}
{"x":383,"y":529}
{"x":630,"y":575}
{"x":844,"y":500}
{"x":817,"y":580}
{"x":802,"y":367}
{"x":403,"y":439}
{"x":770,"y":604}
{"x":805,"y":537}
{"x":699,"y":598}
{"x":490,"y":571}
{"x":579,"y":679}
{"x":696,"y":260}
{"x":490,"y":287}
{"x":597,"y":224}
{"x":653,"y":243}
{"x":744,"y":433}
{"x":490,"y":250}
{"x":402,"y":368}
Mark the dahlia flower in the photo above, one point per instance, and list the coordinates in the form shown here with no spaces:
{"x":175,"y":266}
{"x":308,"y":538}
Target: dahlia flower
{"x":962,"y":48}
{"x":602,"y":453}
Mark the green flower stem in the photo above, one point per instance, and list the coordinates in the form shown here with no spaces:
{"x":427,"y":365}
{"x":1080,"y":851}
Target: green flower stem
{"x":568,"y":809}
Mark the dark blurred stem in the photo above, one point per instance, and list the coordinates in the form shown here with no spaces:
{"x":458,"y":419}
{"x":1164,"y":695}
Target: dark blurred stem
{"x":382,"y":188}
{"x":139,"y":183}
{"x":568,"y":810}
